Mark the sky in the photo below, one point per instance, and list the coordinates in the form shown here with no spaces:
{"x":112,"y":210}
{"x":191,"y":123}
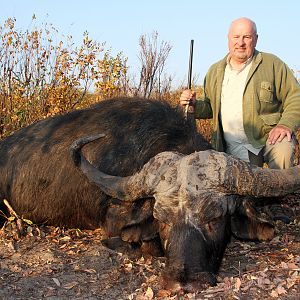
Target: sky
{"x":120,"y":23}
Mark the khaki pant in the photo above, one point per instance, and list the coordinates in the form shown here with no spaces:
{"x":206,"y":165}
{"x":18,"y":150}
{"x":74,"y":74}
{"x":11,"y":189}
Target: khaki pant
{"x":281,"y":155}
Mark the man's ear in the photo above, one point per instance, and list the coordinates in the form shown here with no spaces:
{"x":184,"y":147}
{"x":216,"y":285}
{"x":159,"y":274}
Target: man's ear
{"x":249,"y":224}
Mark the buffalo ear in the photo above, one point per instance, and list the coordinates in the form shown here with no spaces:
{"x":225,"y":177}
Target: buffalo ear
{"x":249,"y":224}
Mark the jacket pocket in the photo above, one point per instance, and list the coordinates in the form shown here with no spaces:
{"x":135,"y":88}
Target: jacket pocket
{"x":269,"y":122}
{"x":271,"y":119}
{"x":266,"y":91}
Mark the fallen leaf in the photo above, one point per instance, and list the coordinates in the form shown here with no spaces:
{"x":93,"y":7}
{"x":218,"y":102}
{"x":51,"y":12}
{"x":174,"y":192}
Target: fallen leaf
{"x":292,"y":266}
{"x":164,"y":293}
{"x":281,"y":290}
{"x":237,"y":284}
{"x":70,"y":285}
{"x":90,"y":271}
{"x":56,"y":281}
{"x":274,"y":294}
{"x":190,"y":295}
{"x":149,"y":293}
{"x":128,"y":267}
{"x":284,"y":265}
{"x":65,"y":239}
{"x":295,"y":274}
{"x":151,"y":278}
{"x":290,"y":283}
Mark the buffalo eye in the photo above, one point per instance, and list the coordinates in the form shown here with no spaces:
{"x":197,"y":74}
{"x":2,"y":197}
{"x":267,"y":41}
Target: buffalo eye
{"x":212,"y":226}
{"x":216,"y":227}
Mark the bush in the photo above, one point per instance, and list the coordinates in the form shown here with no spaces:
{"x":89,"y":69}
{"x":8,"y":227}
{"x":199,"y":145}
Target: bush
{"x":39,"y":78}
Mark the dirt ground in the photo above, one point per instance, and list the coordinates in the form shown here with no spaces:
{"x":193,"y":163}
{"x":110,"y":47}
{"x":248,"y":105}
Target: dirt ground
{"x":53,"y":263}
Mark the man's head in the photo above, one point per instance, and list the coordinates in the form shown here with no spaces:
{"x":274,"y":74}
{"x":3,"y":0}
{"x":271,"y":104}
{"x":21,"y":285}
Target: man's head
{"x":242,"y":39}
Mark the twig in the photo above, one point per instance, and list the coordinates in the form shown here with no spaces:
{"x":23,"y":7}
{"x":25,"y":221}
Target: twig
{"x":10,"y":209}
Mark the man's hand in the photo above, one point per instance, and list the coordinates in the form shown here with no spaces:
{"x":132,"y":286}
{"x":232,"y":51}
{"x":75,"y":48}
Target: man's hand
{"x":278,"y":133}
{"x":188,"y":97}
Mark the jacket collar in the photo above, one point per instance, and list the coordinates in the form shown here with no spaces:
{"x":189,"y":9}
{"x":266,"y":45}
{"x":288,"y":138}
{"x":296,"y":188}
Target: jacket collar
{"x":220,"y":75}
{"x":257,"y":59}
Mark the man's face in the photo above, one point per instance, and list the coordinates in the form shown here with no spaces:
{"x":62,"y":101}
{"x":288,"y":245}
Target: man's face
{"x":242,"y":40}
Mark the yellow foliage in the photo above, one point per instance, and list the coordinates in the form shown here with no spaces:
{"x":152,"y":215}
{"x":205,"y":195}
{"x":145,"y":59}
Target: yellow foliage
{"x":39,"y":79}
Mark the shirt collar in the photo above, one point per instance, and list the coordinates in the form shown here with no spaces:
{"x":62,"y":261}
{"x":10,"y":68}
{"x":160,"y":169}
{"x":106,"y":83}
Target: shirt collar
{"x":245,"y":64}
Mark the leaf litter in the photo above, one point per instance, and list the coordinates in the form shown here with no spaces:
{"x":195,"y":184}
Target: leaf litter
{"x":50,"y":262}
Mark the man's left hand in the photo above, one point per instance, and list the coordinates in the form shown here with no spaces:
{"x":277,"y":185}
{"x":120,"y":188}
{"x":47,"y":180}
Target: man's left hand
{"x":278,"y":133}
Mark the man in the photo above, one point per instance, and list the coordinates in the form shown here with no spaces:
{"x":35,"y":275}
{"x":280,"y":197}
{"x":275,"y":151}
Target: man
{"x":253,"y":99}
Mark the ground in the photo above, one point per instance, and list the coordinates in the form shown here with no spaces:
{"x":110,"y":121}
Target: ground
{"x":53,"y":263}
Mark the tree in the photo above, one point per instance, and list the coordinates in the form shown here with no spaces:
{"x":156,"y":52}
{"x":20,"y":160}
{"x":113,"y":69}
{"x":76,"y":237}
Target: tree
{"x":153,"y":57}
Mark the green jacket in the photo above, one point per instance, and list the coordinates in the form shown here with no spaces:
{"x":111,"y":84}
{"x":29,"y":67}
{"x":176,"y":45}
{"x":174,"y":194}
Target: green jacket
{"x":271,"y":97}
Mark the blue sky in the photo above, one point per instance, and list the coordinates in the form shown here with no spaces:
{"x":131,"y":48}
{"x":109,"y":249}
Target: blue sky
{"x":120,"y":23}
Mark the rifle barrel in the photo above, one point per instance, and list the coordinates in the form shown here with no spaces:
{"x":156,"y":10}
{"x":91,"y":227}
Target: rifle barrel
{"x":190,"y":74}
{"x":190,"y":65}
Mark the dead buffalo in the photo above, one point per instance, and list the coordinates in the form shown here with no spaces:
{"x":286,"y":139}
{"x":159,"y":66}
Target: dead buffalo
{"x":40,"y":180}
{"x":200,"y":199}
{"x":192,"y":209}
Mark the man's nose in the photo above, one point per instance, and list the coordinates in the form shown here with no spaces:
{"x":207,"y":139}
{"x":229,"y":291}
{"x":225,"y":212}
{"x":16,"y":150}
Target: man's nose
{"x":241,"y":41}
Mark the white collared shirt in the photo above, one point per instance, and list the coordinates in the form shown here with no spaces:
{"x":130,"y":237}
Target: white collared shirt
{"x":233,"y":87}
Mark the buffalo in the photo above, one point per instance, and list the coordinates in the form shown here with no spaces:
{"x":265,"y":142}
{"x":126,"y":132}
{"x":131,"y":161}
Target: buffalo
{"x":136,"y":168}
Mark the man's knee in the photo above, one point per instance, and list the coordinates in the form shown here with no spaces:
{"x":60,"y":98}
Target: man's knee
{"x":281,"y":155}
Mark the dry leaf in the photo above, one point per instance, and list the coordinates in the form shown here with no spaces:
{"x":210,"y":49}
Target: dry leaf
{"x":56,"y":281}
{"x":164,"y":293}
{"x":295,"y":274}
{"x":261,"y":281}
{"x":70,"y":285}
{"x":292,"y":266}
{"x":284,"y":265}
{"x":65,"y":239}
{"x":90,"y":271}
{"x":237,"y":284}
{"x":290,"y":283}
{"x":128,"y":267}
{"x":151,"y":278}
{"x":149,"y":293}
{"x":267,"y":281}
{"x":281,"y":290}
{"x":190,"y":295}
{"x":274,"y":294}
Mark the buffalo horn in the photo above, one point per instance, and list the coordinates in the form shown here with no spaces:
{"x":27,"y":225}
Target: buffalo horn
{"x":261,"y":182}
{"x":123,"y":188}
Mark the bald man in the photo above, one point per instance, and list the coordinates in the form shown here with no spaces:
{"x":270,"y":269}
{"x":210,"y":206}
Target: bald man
{"x":254,"y":101}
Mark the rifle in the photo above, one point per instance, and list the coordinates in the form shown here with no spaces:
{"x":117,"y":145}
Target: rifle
{"x":190,"y":74}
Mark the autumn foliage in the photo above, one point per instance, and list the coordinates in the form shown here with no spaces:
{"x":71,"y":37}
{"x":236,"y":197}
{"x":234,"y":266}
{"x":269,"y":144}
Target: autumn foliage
{"x":42,"y":74}
{"x":40,"y":77}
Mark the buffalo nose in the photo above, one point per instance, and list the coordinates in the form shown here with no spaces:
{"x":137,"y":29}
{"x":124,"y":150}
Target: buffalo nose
{"x":199,"y":282}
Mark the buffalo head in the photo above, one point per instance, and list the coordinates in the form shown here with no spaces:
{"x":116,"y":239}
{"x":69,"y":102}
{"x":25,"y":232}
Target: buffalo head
{"x":200,"y":199}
